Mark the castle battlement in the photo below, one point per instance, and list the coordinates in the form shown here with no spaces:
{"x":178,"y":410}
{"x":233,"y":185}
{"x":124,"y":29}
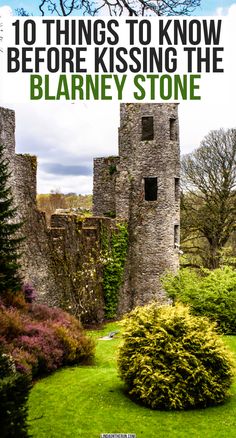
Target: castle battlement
{"x":140,"y":186}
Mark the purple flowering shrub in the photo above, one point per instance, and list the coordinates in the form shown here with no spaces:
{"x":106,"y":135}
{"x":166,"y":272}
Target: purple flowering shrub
{"x":29,"y":292}
{"x":42,"y":342}
{"x":41,"y":312}
{"x":25,"y":362}
{"x":16,"y":300}
{"x":42,"y":339}
{"x":11,"y":324}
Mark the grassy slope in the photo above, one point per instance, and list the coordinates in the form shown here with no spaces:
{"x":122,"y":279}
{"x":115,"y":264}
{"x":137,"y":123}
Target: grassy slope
{"x":87,"y":401}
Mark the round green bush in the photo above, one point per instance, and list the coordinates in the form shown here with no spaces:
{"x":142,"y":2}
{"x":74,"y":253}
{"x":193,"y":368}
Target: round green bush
{"x":170,"y":359}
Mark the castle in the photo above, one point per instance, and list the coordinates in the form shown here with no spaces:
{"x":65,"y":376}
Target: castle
{"x":140,"y":186}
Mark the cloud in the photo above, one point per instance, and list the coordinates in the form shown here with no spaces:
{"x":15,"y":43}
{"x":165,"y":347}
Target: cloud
{"x":65,"y":184}
{"x":217,"y":109}
{"x":5,"y":11}
{"x":66,"y":137}
{"x":73,"y":132}
{"x":226,"y":10}
{"x":71,"y":170}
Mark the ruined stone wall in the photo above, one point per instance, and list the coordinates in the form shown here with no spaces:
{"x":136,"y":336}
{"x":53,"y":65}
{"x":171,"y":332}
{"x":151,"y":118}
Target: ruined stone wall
{"x":40,"y":263}
{"x":7,"y":132}
{"x":64,"y":262}
{"x":61,"y":261}
{"x":7,"y":137}
{"x":104,"y":200}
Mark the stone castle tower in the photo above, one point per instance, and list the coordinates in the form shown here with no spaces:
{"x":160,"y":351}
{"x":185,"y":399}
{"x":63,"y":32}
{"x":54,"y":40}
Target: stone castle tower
{"x":141,"y":185}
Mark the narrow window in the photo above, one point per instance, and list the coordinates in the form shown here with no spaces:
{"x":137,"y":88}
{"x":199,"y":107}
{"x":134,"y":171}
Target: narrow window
{"x":172,"y":129}
{"x":150,"y":189}
{"x":176,"y":236}
{"x":147,"y":128}
{"x":176,"y":189}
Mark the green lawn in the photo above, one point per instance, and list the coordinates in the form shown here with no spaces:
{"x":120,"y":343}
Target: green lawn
{"x":89,"y":400}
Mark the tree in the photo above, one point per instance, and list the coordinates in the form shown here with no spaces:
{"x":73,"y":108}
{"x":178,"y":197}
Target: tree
{"x":9,"y":236}
{"x":115,"y":7}
{"x":209,"y":196}
{"x":71,"y":202}
{"x":22,"y":12}
{"x":49,"y":203}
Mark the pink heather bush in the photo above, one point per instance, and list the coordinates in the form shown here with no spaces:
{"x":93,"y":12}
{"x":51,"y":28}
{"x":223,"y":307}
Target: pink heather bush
{"x":42,"y":339}
{"x":15,"y":300}
{"x":41,"y":312}
{"x":25,"y":362}
{"x":46,"y":350}
{"x":3,"y":342}
{"x":11,"y":324}
{"x":29,"y":292}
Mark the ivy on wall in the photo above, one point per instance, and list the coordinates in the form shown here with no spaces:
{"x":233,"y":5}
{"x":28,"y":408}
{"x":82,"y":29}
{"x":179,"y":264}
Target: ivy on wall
{"x":114,"y":250}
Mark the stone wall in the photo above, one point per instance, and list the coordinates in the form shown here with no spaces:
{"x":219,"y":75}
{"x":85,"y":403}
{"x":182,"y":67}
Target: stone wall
{"x":7,"y":137}
{"x":64,"y":261}
{"x":153,"y":225}
{"x":153,"y":249}
{"x":104,"y":171}
{"x":61,"y":261}
{"x":41,"y":264}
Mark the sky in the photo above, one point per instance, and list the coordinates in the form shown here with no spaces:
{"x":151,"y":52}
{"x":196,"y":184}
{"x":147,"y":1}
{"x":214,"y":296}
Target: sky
{"x":207,"y":7}
{"x":66,"y":136}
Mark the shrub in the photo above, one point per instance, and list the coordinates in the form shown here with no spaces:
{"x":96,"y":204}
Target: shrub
{"x":69,"y":345}
{"x":11,"y":324}
{"x":76,"y":346}
{"x":171,"y":359}
{"x":25,"y":361}
{"x":16,"y":300}
{"x":212,"y":294}
{"x":14,"y":391}
{"x":41,"y":312}
{"x":29,"y":292}
{"x":42,"y":339}
{"x":7,"y":365}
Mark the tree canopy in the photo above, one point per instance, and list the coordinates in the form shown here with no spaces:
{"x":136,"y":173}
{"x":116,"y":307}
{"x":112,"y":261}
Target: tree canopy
{"x":65,"y":8}
{"x":9,"y":238}
{"x":209,"y":196}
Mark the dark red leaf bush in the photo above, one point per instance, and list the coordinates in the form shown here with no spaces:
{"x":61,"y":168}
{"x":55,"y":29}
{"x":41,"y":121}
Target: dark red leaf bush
{"x":42,"y":339}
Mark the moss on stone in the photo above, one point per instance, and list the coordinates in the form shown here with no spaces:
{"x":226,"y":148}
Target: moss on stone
{"x":114,"y":251}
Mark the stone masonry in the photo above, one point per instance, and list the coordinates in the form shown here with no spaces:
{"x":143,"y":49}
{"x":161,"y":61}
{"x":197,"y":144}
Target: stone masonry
{"x":142,"y":186}
{"x":60,"y":261}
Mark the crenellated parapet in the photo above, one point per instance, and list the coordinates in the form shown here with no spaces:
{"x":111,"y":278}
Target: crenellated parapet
{"x":58,"y":260}
{"x":66,"y":261}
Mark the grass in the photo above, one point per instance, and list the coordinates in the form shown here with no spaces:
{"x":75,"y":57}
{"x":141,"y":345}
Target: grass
{"x":86,"y":401}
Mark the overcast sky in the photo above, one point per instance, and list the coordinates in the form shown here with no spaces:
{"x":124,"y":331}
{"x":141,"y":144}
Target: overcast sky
{"x":66,"y":137}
